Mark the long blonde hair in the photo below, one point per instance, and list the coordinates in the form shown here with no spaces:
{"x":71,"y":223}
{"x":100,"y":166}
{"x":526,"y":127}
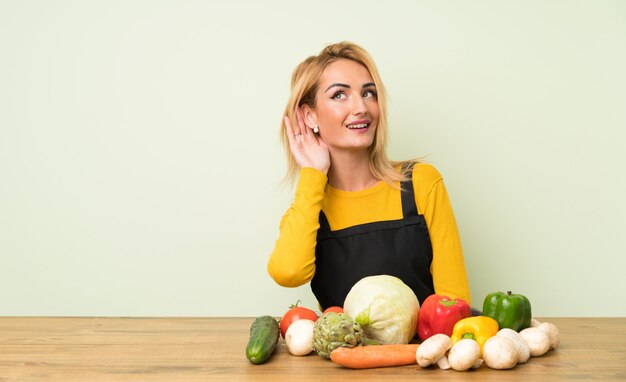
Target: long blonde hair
{"x":304,"y":85}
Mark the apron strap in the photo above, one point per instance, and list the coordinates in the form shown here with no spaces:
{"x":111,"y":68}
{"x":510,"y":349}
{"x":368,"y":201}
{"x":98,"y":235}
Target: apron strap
{"x":324,"y":225}
{"x":409,"y":208}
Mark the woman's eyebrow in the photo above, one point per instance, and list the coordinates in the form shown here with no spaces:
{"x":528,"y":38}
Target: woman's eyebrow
{"x":348,"y":86}
{"x":337,"y":84}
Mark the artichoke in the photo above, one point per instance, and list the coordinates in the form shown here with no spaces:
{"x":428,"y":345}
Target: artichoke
{"x":334,"y":330}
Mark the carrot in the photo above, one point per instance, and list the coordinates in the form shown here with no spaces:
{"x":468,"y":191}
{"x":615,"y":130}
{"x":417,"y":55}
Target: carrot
{"x":363,"y":357}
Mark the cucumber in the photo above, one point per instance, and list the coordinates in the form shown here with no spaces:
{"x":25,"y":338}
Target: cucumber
{"x":264,"y":334}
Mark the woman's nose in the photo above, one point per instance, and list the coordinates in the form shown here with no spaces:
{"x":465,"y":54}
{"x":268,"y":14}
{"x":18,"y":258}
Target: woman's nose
{"x":358,"y":105}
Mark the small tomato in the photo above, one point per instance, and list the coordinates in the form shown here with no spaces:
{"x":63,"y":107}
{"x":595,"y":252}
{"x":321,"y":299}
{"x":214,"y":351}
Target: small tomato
{"x":336,"y":309}
{"x":294,"y":314}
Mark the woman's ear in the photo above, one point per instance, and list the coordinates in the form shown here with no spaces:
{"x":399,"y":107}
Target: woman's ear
{"x":310,"y":117}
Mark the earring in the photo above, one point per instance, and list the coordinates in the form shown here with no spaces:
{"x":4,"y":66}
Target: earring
{"x":316,"y":129}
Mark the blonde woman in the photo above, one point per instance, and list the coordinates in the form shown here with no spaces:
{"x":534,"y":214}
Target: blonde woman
{"x":356,"y":213}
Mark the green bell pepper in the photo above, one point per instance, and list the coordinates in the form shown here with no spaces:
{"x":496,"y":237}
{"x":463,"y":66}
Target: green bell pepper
{"x":510,"y":310}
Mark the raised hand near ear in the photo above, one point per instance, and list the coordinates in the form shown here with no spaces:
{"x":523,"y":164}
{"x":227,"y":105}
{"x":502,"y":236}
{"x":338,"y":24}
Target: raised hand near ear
{"x":308,"y":149}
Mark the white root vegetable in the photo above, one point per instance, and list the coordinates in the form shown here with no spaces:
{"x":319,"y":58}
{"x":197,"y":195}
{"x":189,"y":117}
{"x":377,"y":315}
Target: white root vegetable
{"x":534,"y":323}
{"x":538,"y":341}
{"x":500,"y":352}
{"x":432,"y":349}
{"x":523,"y":350}
{"x":464,"y":354}
{"x":299,"y":337}
{"x":553,"y":333}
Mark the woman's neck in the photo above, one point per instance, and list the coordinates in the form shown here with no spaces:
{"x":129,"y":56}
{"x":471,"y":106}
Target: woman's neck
{"x":350,"y":171}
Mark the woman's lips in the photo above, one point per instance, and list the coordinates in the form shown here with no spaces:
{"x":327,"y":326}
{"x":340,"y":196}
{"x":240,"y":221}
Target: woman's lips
{"x":358,"y":125}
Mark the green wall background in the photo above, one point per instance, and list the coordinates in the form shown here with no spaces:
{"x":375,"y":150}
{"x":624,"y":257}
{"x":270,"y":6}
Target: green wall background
{"x":140,"y":166}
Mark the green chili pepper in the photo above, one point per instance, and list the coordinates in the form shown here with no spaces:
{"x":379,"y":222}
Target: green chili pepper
{"x":510,"y":310}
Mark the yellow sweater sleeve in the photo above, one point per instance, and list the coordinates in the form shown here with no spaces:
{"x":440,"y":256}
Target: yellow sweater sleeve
{"x":448,"y":265}
{"x":292,"y":263}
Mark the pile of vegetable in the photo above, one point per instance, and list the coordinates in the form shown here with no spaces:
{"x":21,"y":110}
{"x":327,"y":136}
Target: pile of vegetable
{"x":499,"y":349}
{"x":504,"y":336}
{"x":381,"y":316}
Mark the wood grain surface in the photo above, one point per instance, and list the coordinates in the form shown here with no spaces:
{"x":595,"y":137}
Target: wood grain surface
{"x":213,"y":349}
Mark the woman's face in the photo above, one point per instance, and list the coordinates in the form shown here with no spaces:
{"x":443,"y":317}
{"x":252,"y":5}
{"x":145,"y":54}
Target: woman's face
{"x":346,"y":106}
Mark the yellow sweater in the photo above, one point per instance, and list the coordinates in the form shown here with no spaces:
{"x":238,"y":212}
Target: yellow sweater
{"x":292,"y":263}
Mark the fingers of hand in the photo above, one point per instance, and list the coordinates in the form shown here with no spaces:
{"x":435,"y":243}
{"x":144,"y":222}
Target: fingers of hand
{"x":299,"y":133}
{"x":294,"y":134}
{"x":301,"y":127}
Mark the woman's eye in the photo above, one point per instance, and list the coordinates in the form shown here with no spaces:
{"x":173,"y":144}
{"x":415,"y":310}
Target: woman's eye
{"x":339,"y":95}
{"x":370,"y":93}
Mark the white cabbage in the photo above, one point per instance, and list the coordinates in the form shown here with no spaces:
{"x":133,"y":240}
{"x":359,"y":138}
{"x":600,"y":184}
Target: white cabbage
{"x":385,"y":307}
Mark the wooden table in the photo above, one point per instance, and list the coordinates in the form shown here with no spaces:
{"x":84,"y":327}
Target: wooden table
{"x":201,"y":349}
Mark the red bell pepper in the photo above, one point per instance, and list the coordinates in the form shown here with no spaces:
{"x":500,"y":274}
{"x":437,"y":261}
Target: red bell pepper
{"x":438,"y":314}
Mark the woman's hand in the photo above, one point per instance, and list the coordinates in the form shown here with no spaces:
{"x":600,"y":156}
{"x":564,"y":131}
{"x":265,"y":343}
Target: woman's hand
{"x":307,"y":148}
